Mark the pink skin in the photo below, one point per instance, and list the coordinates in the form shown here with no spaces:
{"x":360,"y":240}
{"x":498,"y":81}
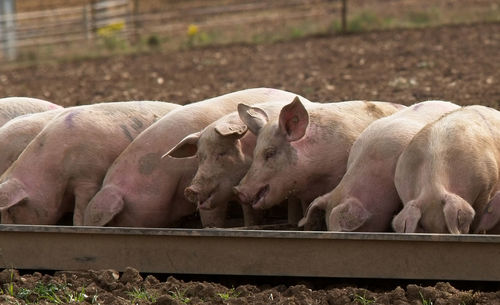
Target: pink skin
{"x":211,"y":186}
{"x":141,"y":189}
{"x":489,"y":221}
{"x":304,"y":153}
{"x":366,"y":199}
{"x":448,"y":172}
{"x":62,"y":168}
{"x":11,"y":107}
{"x":224,"y":153}
{"x":17,"y":133}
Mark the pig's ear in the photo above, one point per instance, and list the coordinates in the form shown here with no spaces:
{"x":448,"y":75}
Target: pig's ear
{"x":254,"y":117}
{"x":186,"y":148}
{"x":491,"y":215}
{"x":458,"y":214}
{"x":293,"y":120}
{"x":231,"y":129}
{"x":11,"y":193}
{"x":348,"y":216}
{"x":407,"y":220}
{"x":319,"y":204}
{"x":101,"y":210}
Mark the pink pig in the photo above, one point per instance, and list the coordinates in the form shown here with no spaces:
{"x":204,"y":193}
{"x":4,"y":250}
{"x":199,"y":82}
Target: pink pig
{"x":224,"y":151}
{"x":366,"y":198}
{"x":304,"y":152}
{"x":63,"y":167}
{"x":11,"y":107}
{"x":449,"y":172}
{"x":141,"y":189}
{"x":17,"y":133}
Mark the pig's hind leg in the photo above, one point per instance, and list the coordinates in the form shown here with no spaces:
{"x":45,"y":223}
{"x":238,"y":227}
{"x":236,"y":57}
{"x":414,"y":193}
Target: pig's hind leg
{"x":489,"y":220}
{"x":84,"y":192}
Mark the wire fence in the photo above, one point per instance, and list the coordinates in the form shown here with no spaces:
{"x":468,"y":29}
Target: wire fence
{"x":91,"y":20}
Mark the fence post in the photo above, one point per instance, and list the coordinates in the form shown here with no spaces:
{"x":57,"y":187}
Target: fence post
{"x":135,"y":22}
{"x":344,"y":16}
{"x":87,"y":21}
{"x":8,"y":27}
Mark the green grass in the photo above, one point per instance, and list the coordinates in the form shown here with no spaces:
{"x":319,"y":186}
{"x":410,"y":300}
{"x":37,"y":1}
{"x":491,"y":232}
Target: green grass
{"x":141,"y":295}
{"x":424,"y":300}
{"x":231,"y":293}
{"x":52,"y":293}
{"x":362,"y":299}
{"x":180,"y":295}
{"x":10,"y":286}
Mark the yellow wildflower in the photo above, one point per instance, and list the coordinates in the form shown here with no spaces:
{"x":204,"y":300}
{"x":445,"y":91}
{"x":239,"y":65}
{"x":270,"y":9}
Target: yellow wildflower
{"x":192,"y":30}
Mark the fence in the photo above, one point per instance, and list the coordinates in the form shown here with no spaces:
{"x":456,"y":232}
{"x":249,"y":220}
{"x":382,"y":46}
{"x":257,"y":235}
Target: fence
{"x":131,"y":18}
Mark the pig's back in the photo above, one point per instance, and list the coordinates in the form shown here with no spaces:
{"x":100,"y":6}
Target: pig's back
{"x":17,"y":133}
{"x":11,"y":107}
{"x":462,"y":141}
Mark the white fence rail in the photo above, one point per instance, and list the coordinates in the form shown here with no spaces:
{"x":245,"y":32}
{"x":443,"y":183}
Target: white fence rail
{"x":83,"y":23}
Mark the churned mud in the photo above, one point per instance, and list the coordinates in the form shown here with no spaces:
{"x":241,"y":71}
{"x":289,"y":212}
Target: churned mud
{"x":130,"y":287}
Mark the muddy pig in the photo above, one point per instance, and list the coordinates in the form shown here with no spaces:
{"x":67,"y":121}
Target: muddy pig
{"x":224,"y":151}
{"x":304,"y":152}
{"x":366,"y":199}
{"x":17,"y":133}
{"x":449,"y":172}
{"x":143,"y":190}
{"x":63,"y":167}
{"x":11,"y":107}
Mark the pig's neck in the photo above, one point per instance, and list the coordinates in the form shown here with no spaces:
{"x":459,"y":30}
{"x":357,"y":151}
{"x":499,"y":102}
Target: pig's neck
{"x":248,"y":142}
{"x":322,"y":162}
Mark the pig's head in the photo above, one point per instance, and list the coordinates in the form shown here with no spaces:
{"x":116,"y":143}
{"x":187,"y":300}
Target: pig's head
{"x":274,"y":172}
{"x":451,"y":214}
{"x":223,"y":159}
{"x":17,"y":208}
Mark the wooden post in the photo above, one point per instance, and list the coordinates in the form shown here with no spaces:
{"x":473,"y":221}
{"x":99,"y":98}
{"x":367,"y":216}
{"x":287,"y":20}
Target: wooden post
{"x":87,"y":21}
{"x":135,"y":22}
{"x":8,"y":28}
{"x":344,"y":16}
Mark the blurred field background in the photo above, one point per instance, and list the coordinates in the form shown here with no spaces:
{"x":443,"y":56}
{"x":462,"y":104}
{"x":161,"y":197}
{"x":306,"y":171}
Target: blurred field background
{"x":86,"y":28}
{"x":403,"y":51}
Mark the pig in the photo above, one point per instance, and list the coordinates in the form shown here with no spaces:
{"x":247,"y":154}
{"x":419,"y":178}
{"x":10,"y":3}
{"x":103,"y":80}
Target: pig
{"x":63,"y":166}
{"x":11,"y":107}
{"x":303,"y":153}
{"x":366,"y":199}
{"x":223,"y":151}
{"x":143,"y":190}
{"x":17,"y":133}
{"x":489,"y":219}
{"x":449,"y":172}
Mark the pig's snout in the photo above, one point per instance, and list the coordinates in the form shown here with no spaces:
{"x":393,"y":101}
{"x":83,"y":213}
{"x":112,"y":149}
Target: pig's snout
{"x":241,"y":195}
{"x":256,"y":200}
{"x":191,"y":194}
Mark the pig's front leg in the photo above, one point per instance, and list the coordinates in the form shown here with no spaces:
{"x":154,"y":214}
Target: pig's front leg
{"x":252,"y":217}
{"x":214,"y":218}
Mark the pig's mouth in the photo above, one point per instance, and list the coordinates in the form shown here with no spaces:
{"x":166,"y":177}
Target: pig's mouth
{"x":207,"y":203}
{"x":258,"y":200}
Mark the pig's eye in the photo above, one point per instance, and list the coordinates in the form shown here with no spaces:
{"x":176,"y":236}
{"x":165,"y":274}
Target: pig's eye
{"x":221,"y":155}
{"x":269,"y":153}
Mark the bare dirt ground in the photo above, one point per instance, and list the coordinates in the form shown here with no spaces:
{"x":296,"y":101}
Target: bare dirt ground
{"x":456,"y":63}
